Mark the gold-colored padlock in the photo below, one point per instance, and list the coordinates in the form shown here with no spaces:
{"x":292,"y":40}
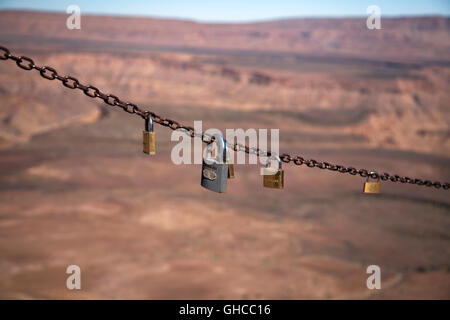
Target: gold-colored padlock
{"x":230,"y":171}
{"x":149,"y":139}
{"x":273,"y":178}
{"x":230,"y":167}
{"x":372,"y":187}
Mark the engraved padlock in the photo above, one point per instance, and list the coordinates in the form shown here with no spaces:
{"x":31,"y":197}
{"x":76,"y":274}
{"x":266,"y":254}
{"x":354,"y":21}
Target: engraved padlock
{"x":230,"y":166}
{"x":372,"y":187}
{"x":149,"y":139}
{"x":215,"y":169}
{"x":273,"y":178}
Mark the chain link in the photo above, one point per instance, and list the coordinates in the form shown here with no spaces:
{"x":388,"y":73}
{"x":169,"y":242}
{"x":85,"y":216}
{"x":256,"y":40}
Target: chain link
{"x":70,"y":82}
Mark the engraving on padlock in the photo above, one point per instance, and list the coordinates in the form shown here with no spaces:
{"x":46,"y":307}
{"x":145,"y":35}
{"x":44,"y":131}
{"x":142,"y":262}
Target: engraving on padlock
{"x":215,"y":169}
{"x":209,"y":172}
{"x":149,"y":139}
{"x":273,"y":178}
{"x":372,"y":187}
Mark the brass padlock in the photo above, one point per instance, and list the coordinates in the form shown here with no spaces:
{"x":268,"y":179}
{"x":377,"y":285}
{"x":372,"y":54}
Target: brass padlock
{"x":230,"y":167}
{"x":273,"y":178}
{"x":149,"y":139}
{"x":230,"y":171}
{"x":372,"y":187}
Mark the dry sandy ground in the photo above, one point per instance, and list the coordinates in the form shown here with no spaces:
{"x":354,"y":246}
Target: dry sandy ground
{"x":142,"y":227}
{"x":75,"y":187}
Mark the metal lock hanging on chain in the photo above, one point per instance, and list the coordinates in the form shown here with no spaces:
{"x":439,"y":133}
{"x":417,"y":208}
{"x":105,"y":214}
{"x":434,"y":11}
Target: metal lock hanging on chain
{"x":273,"y":178}
{"x":230,"y":167}
{"x":372,"y":187}
{"x":215,"y":169}
{"x":149,"y":139}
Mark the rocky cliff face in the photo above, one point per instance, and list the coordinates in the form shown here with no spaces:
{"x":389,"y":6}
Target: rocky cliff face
{"x":400,"y":39}
{"x":76,"y":188}
{"x":388,"y":87}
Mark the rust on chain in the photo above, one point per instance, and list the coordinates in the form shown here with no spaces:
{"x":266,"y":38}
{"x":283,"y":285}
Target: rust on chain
{"x":51,"y":75}
{"x":28,"y":65}
{"x":111,"y":99}
{"x":4,"y":53}
{"x":70,"y":82}
{"x":67,"y":80}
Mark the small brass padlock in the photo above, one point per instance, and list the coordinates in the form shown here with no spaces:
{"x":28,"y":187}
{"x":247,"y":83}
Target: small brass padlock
{"x":230,"y":167}
{"x":273,"y":178}
{"x":149,"y":139}
{"x":372,"y":187}
{"x":230,"y":171}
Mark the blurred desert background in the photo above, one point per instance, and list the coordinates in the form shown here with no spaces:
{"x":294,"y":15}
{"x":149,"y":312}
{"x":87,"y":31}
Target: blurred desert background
{"x":75,"y":187}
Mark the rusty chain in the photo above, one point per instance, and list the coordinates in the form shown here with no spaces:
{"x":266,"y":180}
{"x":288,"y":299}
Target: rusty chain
{"x":70,"y":82}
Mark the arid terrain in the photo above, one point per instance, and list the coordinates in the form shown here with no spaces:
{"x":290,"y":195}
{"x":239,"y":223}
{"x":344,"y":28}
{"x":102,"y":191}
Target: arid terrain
{"x":75,"y":187}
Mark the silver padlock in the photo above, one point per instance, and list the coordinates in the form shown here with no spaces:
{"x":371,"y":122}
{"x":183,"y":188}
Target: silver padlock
{"x":215,"y":169}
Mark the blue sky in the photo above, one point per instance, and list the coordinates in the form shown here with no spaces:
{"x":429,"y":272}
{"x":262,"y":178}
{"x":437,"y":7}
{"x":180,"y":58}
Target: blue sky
{"x":235,"y":10}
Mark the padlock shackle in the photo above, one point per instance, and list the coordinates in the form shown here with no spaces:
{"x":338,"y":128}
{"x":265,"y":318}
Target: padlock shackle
{"x":370,"y":175}
{"x":274,"y":157}
{"x":149,"y":124}
{"x":221,"y":145}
